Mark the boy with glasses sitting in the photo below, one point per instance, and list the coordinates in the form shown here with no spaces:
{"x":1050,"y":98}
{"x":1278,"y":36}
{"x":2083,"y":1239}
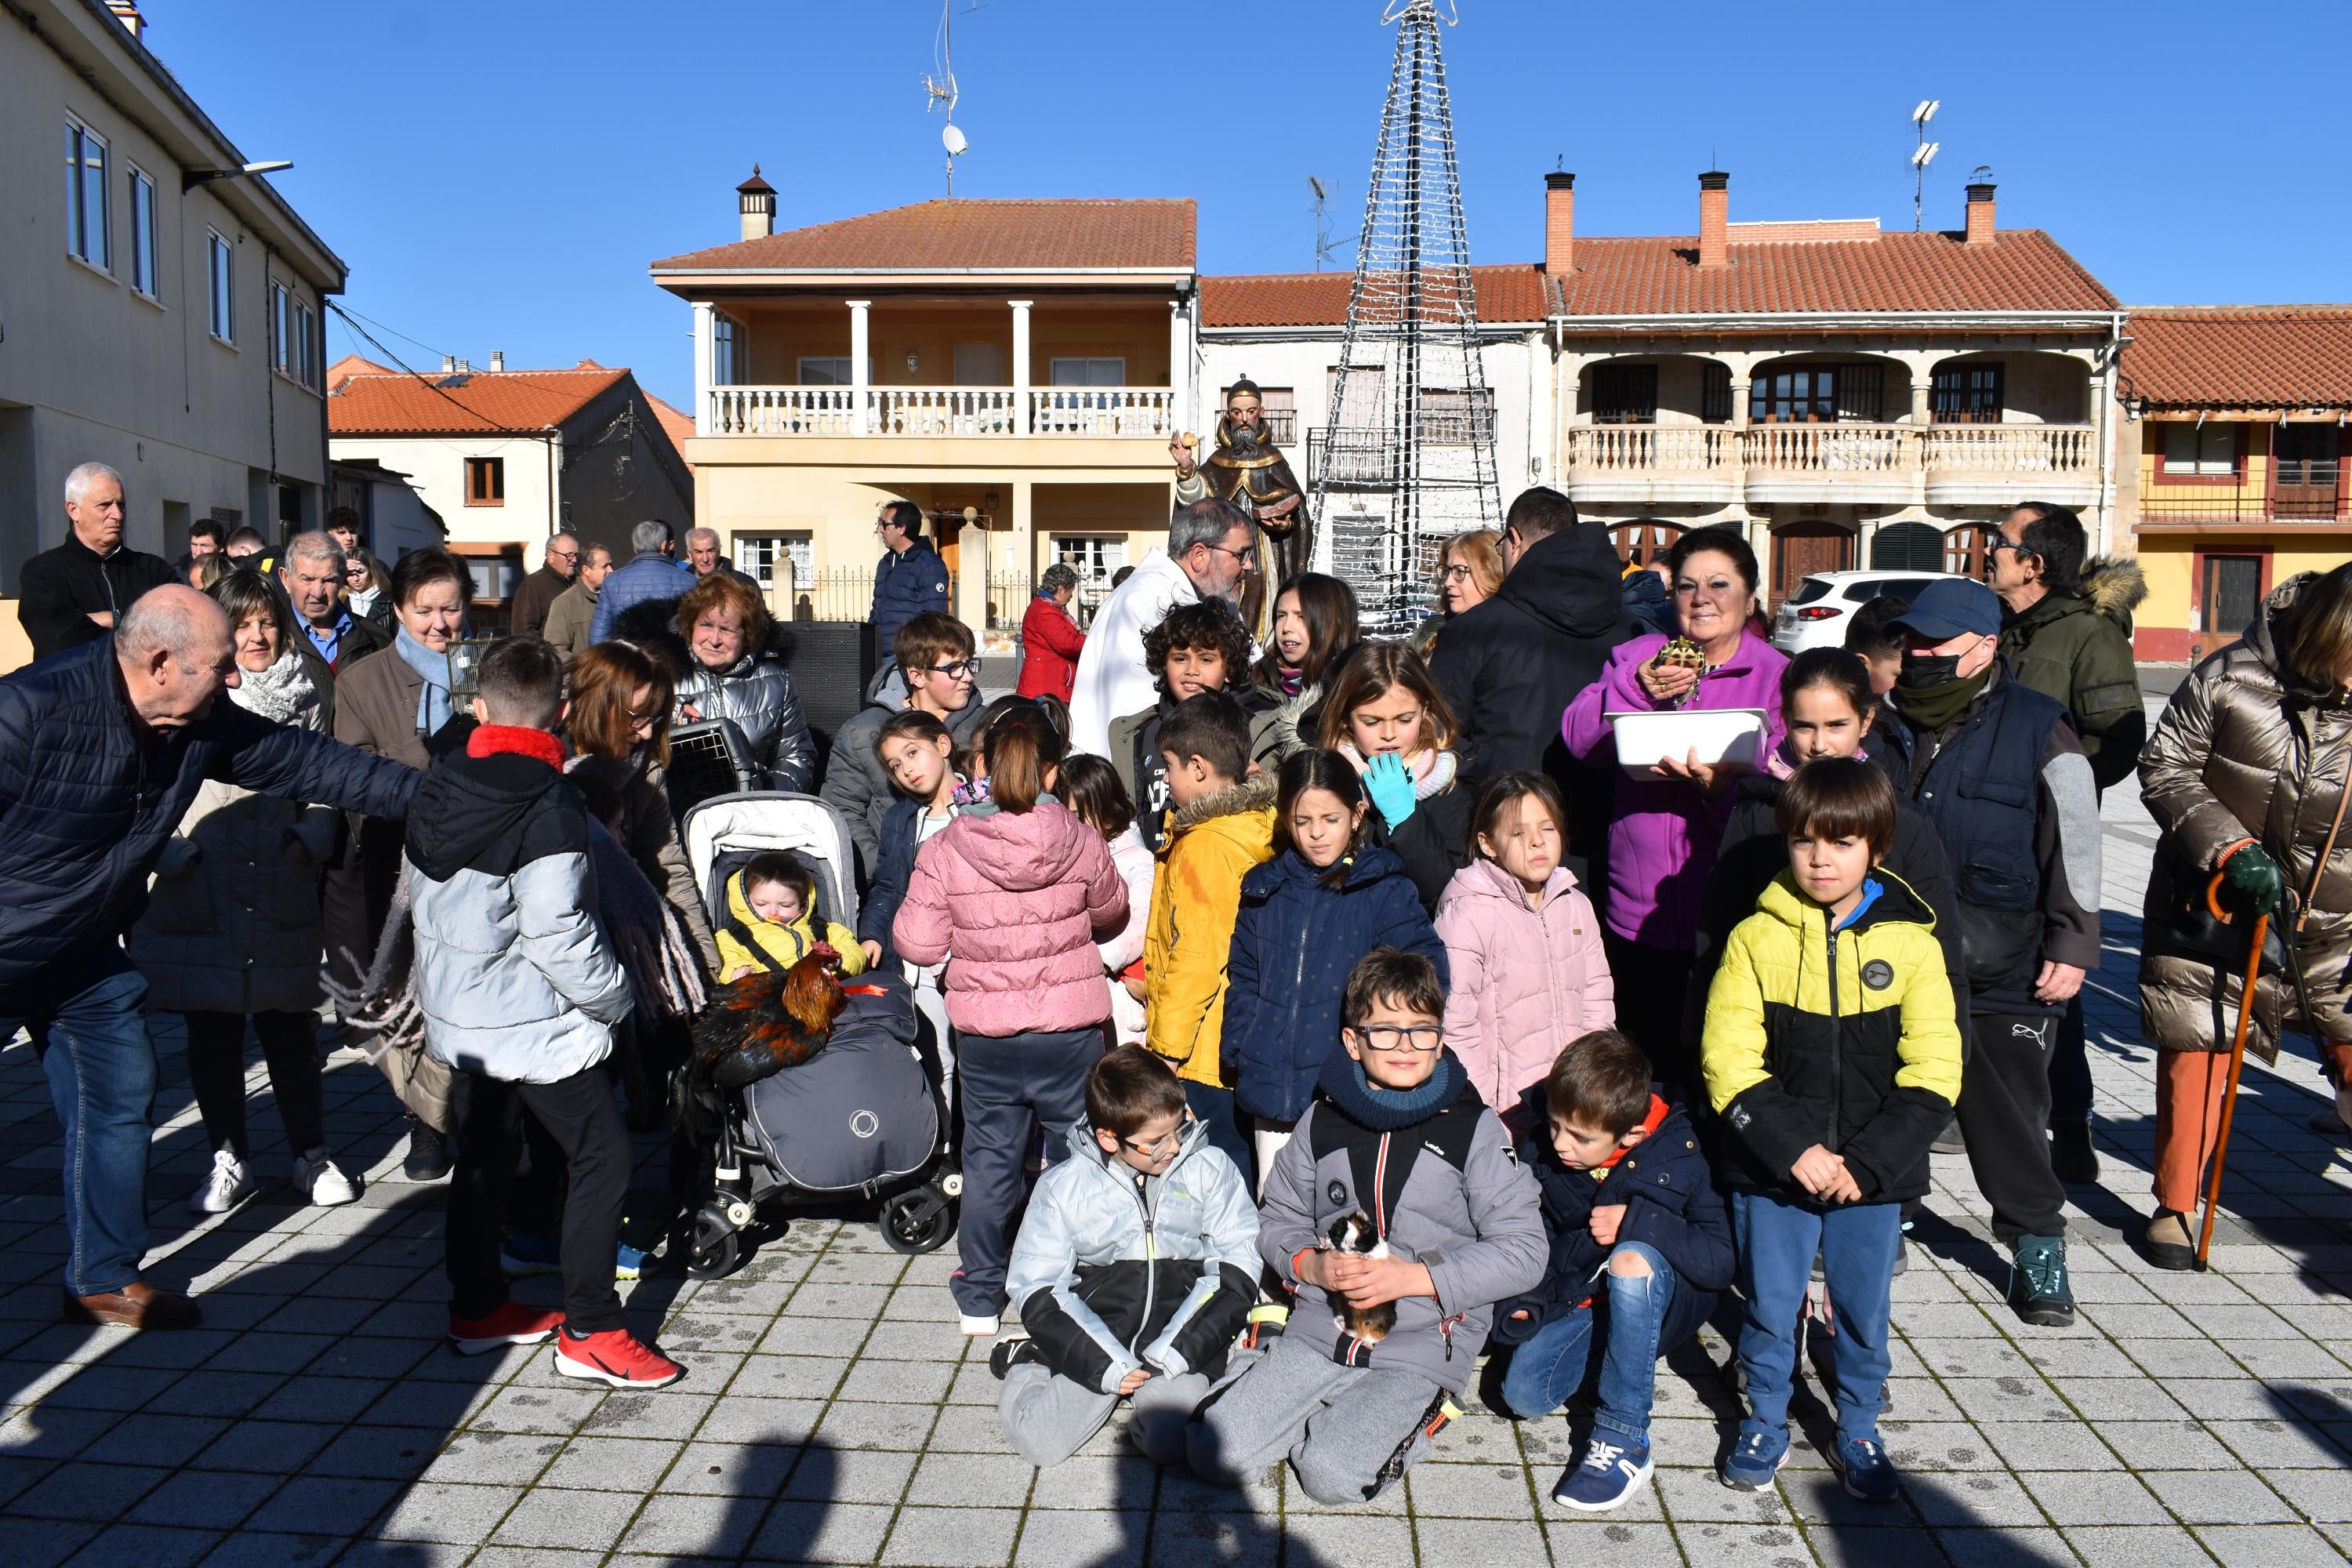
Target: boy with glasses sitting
{"x":1399,"y":1214}
{"x":1134,"y":1267}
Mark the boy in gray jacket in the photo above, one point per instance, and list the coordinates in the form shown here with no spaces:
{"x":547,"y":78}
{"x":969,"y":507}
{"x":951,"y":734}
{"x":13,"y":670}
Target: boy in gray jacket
{"x":520,"y":990}
{"x":1133,"y":1270}
{"x":1399,"y":1150}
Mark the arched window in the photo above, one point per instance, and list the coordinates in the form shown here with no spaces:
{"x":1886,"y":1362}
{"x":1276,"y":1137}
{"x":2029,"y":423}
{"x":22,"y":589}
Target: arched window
{"x":1645,"y":540}
{"x":1964,"y":548}
{"x":1906,"y":547}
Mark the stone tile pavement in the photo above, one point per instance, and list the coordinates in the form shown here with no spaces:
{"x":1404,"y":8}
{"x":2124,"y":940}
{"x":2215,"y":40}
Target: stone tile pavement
{"x":833,"y":1413}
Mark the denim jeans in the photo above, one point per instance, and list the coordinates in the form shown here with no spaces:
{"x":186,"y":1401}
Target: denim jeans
{"x":90,"y":1033}
{"x":1856,"y":1243}
{"x":1616,"y":1336}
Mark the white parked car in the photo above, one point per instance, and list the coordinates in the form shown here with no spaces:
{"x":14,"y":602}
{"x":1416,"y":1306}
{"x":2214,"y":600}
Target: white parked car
{"x":1815,"y":615}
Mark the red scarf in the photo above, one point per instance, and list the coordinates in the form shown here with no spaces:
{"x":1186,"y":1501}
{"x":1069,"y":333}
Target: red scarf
{"x":513,"y":740}
{"x":1650,"y":1123}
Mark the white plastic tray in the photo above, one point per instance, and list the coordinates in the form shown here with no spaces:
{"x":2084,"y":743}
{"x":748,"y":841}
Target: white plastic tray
{"x":1729,"y":736}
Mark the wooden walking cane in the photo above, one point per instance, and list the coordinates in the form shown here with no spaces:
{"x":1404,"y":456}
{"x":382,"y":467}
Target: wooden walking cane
{"x":2237,"y":1061}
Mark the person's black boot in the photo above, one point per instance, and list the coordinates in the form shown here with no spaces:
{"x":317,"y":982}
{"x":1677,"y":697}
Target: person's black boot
{"x":428,"y":1158}
{"x":2072,"y":1158}
{"x":2037,"y":1282}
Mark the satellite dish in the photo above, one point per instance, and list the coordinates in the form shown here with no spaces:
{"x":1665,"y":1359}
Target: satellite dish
{"x":1320,"y":193}
{"x":952,"y":139}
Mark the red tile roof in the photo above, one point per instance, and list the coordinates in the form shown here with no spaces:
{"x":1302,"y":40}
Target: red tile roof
{"x":2240,"y":356}
{"x":676,"y":422}
{"x":1658,"y":275}
{"x":482,"y":400}
{"x":1504,"y":293}
{"x":969,"y":234}
{"x":352,"y":364}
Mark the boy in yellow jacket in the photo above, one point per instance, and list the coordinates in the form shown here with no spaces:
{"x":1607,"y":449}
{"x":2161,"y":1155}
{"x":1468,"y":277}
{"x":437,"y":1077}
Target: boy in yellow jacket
{"x":1833,"y":1057}
{"x":772,"y":921}
{"x":1222,"y":826}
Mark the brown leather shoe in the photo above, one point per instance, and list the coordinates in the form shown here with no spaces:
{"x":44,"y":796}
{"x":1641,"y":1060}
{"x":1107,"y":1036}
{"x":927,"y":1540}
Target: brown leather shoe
{"x":137,"y":1305}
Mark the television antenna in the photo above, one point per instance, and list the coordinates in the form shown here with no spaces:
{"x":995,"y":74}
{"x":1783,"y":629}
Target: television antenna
{"x":1921,"y":157}
{"x":1322,"y":227}
{"x":939,"y":87}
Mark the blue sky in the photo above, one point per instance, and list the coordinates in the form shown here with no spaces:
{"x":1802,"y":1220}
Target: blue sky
{"x":498,"y":174}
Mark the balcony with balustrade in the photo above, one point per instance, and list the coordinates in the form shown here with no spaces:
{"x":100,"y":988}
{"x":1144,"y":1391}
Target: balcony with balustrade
{"x":988,"y":413}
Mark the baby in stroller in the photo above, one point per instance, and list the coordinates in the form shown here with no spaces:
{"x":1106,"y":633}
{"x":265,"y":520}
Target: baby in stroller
{"x":770,"y":921}
{"x":805,"y":1088}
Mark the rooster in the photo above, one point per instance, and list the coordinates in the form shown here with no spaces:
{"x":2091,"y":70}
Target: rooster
{"x":763,"y":1023}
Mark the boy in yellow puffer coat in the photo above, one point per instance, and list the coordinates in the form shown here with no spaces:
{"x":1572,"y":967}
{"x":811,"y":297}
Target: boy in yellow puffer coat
{"x":1222,"y":826}
{"x":1832,"y":1055}
{"x":770,"y":921}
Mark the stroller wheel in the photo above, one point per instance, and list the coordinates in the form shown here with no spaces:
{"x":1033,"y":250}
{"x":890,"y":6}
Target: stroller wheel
{"x":717,"y":1246}
{"x":917,"y":1222}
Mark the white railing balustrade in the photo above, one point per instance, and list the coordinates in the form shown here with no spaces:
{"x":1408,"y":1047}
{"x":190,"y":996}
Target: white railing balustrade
{"x":1102,"y":411}
{"x":781,"y":411}
{"x":2013,"y":448}
{"x":940,"y":411}
{"x":957,"y":411}
{"x":2062,"y":449}
{"x":1649,"y":448}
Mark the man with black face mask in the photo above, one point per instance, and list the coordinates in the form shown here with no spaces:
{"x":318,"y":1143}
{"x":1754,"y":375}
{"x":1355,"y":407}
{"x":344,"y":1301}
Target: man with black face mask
{"x":1998,"y":770}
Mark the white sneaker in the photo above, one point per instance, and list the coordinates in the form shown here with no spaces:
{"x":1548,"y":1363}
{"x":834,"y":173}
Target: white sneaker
{"x":224,"y":1186}
{"x":321,"y":1181}
{"x":980,"y":1327}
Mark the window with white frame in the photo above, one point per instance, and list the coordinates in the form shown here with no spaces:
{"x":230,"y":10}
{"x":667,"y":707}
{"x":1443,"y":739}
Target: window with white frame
{"x":786,"y":561}
{"x":1095,"y":372}
{"x":2205,"y":449}
{"x":281,"y":329}
{"x":1094,"y":557}
{"x":726,"y":351}
{"x":306,"y":345}
{"x":86,"y":230}
{"x":218,"y":254}
{"x":143,"y":251}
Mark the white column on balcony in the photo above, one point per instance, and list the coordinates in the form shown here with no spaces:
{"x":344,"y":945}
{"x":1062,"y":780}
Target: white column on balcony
{"x":860,"y":350}
{"x":1019,"y":365}
{"x":703,"y":343}
{"x":1923,"y":391}
{"x":1179,"y":367}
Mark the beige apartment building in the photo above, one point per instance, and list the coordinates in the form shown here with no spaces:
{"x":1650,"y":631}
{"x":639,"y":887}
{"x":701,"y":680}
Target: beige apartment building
{"x":160,"y":308}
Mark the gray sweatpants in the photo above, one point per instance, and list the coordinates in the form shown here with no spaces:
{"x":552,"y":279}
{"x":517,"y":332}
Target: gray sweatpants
{"x":1339,"y":1426}
{"x":1048,"y":1418}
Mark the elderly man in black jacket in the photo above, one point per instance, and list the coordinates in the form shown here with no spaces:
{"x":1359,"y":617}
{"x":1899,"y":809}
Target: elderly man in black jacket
{"x":101,"y":749}
{"x":72,"y":595}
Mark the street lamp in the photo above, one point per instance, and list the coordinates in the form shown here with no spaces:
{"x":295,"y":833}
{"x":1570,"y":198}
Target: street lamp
{"x":191,"y":178}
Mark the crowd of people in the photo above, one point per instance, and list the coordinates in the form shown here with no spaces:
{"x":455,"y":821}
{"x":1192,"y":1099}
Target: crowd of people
{"x":1320,"y":1013}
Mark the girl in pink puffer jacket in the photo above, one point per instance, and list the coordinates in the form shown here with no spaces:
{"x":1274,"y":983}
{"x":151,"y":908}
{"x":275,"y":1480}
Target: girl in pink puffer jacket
{"x":1012,"y":896}
{"x":1523,"y":943}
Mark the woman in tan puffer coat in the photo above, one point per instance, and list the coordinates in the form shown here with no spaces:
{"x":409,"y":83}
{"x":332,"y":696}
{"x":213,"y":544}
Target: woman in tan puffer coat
{"x":233,"y":929}
{"x":2246,"y":774}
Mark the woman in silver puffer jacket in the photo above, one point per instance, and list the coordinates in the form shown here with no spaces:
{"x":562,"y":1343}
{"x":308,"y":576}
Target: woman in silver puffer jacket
{"x":732,"y":667}
{"x":2246,"y":774}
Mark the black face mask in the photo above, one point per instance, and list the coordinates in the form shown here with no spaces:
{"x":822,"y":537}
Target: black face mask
{"x":1925,"y":671}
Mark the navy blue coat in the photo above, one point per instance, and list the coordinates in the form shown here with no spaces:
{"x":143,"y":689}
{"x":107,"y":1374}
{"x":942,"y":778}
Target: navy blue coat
{"x":1670,"y":1204}
{"x":1286,"y":973}
{"x":894,"y":867}
{"x":906,"y":587}
{"x":86,"y":803}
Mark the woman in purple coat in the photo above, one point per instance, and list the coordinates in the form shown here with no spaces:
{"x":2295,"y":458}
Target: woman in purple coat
{"x":1666,"y":826}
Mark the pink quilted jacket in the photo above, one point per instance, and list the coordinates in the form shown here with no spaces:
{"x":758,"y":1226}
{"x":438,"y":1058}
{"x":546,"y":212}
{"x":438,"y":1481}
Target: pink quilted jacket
{"x":1525,"y":981}
{"x":1014,"y":902}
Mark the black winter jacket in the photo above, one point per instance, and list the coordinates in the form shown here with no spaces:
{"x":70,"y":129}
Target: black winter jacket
{"x":1671,"y":1205}
{"x":755,"y":693}
{"x":87,"y":800}
{"x":60,"y":589}
{"x":901,"y":830}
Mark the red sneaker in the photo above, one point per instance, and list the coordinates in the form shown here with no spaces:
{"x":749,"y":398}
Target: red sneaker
{"x":512,"y":1324}
{"x":615,"y":1357}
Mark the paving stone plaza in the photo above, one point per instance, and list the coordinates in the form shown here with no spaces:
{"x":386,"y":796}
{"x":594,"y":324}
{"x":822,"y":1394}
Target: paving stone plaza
{"x":833,"y":1413}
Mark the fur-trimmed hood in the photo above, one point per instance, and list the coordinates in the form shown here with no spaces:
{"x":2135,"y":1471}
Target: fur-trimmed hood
{"x":1254,"y":793}
{"x":2114,"y":585}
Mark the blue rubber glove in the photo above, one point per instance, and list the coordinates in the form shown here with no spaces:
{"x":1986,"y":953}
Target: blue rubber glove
{"x":1391,"y":787}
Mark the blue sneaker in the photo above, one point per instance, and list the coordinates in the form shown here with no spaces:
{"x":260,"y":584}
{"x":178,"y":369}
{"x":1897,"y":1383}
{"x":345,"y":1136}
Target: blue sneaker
{"x":1755,"y":1456}
{"x":1868,"y":1474}
{"x":526,"y":1252}
{"x":628,"y":1261}
{"x":1611,"y":1470}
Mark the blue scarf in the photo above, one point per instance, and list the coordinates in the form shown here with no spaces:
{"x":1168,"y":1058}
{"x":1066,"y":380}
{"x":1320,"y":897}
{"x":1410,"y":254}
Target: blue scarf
{"x":1356,"y":1097}
{"x":433,"y":702}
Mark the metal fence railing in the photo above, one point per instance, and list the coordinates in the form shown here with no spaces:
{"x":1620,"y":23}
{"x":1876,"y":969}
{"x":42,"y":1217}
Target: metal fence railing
{"x":835,"y":594}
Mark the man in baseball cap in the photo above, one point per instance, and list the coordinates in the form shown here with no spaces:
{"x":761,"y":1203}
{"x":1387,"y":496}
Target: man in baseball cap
{"x":1997,"y":767}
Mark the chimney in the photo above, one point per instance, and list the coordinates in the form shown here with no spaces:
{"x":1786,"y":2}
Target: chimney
{"x":464,"y":367}
{"x":757,"y":199}
{"x":1715,"y":218}
{"x":127,"y":13}
{"x":498,"y":359}
{"x":448,"y":365}
{"x":1559,"y":224}
{"x":1980,"y":213}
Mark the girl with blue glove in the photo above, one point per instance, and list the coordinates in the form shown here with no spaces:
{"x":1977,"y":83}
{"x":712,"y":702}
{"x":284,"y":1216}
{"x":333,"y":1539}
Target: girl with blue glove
{"x":1385,"y":715}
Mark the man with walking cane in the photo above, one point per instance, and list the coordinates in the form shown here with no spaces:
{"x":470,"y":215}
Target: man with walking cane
{"x":2246,"y":774}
